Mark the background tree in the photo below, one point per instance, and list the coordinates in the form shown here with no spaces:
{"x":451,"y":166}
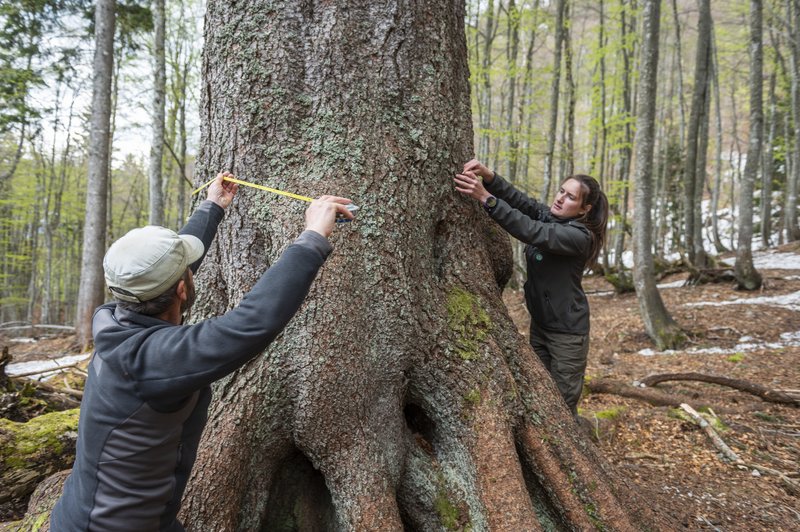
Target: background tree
{"x":158,"y":111}
{"x":657,"y":321}
{"x":695,"y":170}
{"x":400,"y":396}
{"x":747,"y":277}
{"x":90,"y":294}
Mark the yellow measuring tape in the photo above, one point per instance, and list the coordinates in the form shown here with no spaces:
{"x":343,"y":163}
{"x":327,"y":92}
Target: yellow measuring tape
{"x":253,"y":185}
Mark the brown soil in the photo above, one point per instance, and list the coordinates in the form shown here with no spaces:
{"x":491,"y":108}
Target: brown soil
{"x":672,"y":458}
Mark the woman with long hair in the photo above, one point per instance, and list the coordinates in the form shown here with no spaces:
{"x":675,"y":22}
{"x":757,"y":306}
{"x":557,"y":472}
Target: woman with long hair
{"x":562,"y":240}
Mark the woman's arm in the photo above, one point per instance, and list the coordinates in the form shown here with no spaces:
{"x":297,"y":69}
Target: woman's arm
{"x":500,"y":188}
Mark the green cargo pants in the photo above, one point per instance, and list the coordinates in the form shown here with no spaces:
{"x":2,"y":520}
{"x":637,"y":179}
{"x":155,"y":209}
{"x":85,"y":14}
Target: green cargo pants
{"x":564,"y":356}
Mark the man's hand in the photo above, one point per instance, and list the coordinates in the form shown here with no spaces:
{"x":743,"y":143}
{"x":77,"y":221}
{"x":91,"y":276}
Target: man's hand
{"x":321,"y":214}
{"x":478,"y":168}
{"x":469,"y":185}
{"x":222,"y":192}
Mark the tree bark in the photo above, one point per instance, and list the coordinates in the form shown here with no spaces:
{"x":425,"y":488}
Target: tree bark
{"x":90,"y":293}
{"x":561,"y":6}
{"x":159,"y":91}
{"x":793,"y":176}
{"x":747,"y":277}
{"x":401,"y":395}
{"x":658,"y":323}
{"x":767,"y":167}
{"x":694,"y":176}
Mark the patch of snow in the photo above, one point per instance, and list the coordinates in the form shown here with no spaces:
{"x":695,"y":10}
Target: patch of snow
{"x":788,"y":339}
{"x":674,"y":284}
{"x":788,"y":301}
{"x":45,"y":367}
{"x":776,"y":261}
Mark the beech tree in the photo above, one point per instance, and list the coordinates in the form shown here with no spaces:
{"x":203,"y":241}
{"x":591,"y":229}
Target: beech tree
{"x":659,"y":324}
{"x":747,"y":277}
{"x":90,"y":294}
{"x":401,"y":395}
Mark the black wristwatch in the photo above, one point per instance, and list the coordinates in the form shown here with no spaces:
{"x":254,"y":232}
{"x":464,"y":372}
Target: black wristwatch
{"x":490,"y":203}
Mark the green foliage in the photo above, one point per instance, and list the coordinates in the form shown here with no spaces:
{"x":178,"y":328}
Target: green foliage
{"x":736,"y":357}
{"x":611,"y":413}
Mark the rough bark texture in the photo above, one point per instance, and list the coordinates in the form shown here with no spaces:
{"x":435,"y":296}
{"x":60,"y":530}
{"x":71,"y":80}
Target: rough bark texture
{"x":90,"y":293}
{"x":747,"y":277}
{"x":659,"y":324}
{"x":401,"y":395}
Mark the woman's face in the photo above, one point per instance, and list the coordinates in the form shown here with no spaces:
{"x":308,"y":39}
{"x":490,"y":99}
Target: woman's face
{"x":568,"y":202}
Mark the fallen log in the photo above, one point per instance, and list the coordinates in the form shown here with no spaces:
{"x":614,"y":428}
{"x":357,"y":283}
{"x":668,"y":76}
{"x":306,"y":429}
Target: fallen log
{"x":31,"y":451}
{"x":767,"y":394}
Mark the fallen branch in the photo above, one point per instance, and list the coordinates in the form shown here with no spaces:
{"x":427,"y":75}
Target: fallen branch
{"x":719,"y":443}
{"x":792,"y":487}
{"x":54,"y":370}
{"x":651,"y":396}
{"x":767,"y":394}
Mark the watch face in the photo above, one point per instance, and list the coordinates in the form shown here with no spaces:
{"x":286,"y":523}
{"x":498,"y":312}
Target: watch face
{"x":491,"y":202}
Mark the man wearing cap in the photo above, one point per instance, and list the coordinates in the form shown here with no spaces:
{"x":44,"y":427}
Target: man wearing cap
{"x":147,"y":393}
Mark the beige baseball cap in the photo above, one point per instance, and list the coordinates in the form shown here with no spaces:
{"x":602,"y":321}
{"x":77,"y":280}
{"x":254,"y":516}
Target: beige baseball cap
{"x":147,"y":261}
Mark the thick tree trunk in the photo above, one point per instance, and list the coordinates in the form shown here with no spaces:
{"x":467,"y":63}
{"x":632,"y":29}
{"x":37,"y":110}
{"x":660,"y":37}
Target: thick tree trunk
{"x":90,"y":293}
{"x":401,"y":395}
{"x":660,"y":326}
{"x":747,"y":277}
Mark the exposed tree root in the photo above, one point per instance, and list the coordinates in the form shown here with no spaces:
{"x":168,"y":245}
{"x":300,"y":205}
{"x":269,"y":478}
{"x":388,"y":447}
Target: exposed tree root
{"x":767,"y":394}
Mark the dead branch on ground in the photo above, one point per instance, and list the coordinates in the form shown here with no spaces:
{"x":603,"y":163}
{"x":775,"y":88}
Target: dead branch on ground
{"x":767,"y":394}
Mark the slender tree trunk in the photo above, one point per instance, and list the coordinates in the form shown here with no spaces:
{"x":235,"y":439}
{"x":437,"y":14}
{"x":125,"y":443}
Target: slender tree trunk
{"x":679,"y":69}
{"x":793,"y":177}
{"x":720,"y":248}
{"x":747,"y":277}
{"x":90,"y":294}
{"x":555,"y":90}
{"x":567,"y":159}
{"x":400,"y":397}
{"x":692,"y":223}
{"x":485,"y":119}
{"x":159,"y":89}
{"x":512,"y":51}
{"x":767,"y":167}
{"x":660,"y":326}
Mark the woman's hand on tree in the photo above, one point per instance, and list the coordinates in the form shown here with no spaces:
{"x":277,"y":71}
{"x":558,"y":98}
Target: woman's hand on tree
{"x":479,"y":169}
{"x":469,"y":185}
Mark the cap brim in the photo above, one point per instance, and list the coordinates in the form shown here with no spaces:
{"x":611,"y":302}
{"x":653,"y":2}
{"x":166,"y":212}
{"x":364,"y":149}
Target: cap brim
{"x":194,"y":248}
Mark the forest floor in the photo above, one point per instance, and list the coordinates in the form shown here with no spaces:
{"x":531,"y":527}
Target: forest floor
{"x":749,"y":336}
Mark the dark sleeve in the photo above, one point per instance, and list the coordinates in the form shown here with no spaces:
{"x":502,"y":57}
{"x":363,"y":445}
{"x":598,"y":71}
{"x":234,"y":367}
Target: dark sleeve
{"x":203,"y":224}
{"x":504,"y":190}
{"x":173,"y":362}
{"x":561,"y":238}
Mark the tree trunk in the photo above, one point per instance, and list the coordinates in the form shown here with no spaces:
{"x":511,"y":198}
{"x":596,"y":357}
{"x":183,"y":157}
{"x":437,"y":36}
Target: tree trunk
{"x":566,"y":161}
{"x":554,"y":98}
{"x":660,"y":326}
{"x":767,"y":167}
{"x":747,"y":277}
{"x":512,"y":51}
{"x":718,"y":246}
{"x":793,"y":176}
{"x":693,"y":223}
{"x":679,"y":69}
{"x":159,"y":90}
{"x":90,"y":293}
{"x":401,"y":395}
